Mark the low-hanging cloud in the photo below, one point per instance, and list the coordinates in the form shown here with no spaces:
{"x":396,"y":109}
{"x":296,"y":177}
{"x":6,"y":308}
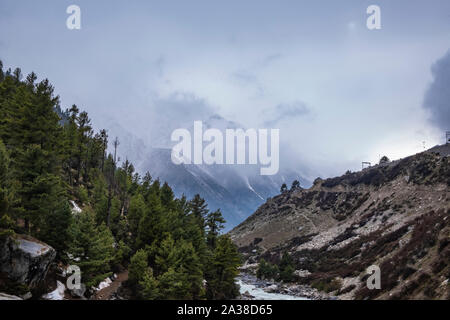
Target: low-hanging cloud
{"x":437,"y":97}
{"x":287,"y":111}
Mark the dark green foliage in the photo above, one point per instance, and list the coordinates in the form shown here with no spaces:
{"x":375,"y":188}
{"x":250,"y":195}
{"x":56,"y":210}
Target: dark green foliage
{"x":6,"y":194}
{"x":149,"y":286}
{"x":49,"y":156}
{"x":173,"y":285}
{"x":55,"y":231}
{"x":214,"y":223}
{"x":286,"y":268}
{"x":138,"y":267}
{"x":295,"y":185}
{"x":267,"y":270}
{"x":222,"y":270}
{"x":91,"y":248}
{"x":327,"y":285}
{"x":199,"y":209}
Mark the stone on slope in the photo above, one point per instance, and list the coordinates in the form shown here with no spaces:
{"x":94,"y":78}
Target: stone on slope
{"x":25,"y":260}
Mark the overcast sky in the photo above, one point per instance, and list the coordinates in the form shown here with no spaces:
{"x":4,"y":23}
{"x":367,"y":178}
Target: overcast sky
{"x":339,"y":93}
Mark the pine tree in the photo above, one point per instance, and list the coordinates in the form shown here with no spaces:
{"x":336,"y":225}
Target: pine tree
{"x":6,"y":194}
{"x":223,"y":270}
{"x":91,"y":248}
{"x":295,"y":185}
{"x":214,"y":223}
{"x":121,"y":256}
{"x":188,"y":263}
{"x":166,"y":256}
{"x":50,"y":156}
{"x":267,"y":270}
{"x":150,"y":228}
{"x":286,"y":268}
{"x":56,"y":231}
{"x":2,"y":75}
{"x":149,"y":286}
{"x":199,"y":209}
{"x":167,"y":197}
{"x":138,"y":267}
{"x":35,"y":139}
{"x":136,"y":212}
{"x":173,"y":285}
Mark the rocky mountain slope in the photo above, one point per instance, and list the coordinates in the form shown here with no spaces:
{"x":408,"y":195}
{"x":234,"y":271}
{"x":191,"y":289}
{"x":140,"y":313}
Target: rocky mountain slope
{"x":394,"y":215}
{"x":236,"y":189}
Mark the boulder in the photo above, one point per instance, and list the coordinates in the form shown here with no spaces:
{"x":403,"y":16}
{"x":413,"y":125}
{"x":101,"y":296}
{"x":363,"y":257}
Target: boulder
{"x":272,"y":289}
{"x":302,"y":273}
{"x":247,"y":296}
{"x":25,"y":260}
{"x":4,"y":296}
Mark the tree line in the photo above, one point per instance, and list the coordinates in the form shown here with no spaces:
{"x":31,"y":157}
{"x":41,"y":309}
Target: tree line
{"x":171,"y":246}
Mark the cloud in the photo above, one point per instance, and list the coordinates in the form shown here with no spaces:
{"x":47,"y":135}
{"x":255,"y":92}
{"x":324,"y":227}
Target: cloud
{"x":249,"y":76}
{"x":178,"y":110}
{"x":287,"y":112}
{"x":268,"y":60}
{"x":437,"y":97}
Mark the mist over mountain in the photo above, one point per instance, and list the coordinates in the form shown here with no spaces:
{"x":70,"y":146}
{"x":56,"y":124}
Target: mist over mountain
{"x":238,"y":190}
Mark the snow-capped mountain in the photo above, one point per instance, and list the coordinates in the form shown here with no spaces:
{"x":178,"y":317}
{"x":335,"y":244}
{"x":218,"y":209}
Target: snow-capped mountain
{"x":238,"y":190}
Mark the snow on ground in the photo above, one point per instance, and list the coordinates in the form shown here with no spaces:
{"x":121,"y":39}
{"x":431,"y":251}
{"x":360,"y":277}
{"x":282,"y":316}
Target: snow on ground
{"x":75,"y":207}
{"x":57,"y":294}
{"x":104,"y":284}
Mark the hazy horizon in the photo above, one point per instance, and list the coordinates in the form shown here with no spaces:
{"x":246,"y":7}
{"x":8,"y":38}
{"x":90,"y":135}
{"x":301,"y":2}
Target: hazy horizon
{"x":339,"y":93}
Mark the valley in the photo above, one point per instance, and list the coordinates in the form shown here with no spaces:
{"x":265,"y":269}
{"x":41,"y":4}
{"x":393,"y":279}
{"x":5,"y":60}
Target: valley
{"x":394,"y":215}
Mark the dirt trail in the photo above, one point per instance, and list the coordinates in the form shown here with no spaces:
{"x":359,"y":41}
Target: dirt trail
{"x":106,"y":293}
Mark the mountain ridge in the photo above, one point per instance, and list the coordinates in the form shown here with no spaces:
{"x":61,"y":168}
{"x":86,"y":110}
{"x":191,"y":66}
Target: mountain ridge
{"x":342,"y":225}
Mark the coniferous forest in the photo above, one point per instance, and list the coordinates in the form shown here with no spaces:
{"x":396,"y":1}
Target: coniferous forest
{"x":172,"y":247}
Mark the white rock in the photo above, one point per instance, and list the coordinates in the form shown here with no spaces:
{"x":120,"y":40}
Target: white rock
{"x":4,"y":296}
{"x":271,"y":288}
{"x":302,"y":273}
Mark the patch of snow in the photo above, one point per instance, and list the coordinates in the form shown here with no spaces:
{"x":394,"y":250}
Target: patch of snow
{"x":33,"y":248}
{"x":104,"y":284}
{"x":75,"y":208}
{"x":253,"y":190}
{"x":4,"y":296}
{"x":71,"y":257}
{"x":57,"y":294}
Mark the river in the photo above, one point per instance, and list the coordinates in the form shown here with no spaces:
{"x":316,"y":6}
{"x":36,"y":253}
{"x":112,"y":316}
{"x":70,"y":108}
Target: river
{"x":254,"y":288}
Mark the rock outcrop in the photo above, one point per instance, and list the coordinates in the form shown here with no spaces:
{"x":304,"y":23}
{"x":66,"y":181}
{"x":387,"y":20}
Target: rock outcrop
{"x":25,"y":260}
{"x":395,"y":215}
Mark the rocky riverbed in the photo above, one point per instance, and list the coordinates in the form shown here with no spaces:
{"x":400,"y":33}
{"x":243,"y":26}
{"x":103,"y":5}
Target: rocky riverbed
{"x":252,"y":288}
